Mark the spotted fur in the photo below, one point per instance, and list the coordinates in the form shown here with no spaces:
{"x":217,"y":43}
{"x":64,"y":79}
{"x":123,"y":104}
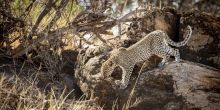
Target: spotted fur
{"x":155,"y":43}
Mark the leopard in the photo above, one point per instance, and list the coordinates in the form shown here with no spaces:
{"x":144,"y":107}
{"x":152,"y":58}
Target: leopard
{"x":154,"y":43}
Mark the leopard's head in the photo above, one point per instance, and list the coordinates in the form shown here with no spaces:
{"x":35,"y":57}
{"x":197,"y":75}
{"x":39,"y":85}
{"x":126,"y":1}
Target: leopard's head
{"x":108,"y":67}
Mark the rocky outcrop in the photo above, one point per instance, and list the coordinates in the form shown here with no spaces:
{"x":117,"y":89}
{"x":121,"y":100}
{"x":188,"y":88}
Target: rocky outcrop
{"x":204,"y":45}
{"x":183,"y":86}
{"x":166,"y":19}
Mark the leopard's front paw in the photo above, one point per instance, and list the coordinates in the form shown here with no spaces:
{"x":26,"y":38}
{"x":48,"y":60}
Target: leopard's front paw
{"x":177,"y":60}
{"x":123,"y":86}
{"x":120,"y":84}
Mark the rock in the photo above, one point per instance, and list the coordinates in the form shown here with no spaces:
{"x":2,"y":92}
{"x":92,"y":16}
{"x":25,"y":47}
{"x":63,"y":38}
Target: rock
{"x":86,"y":105}
{"x":156,"y":19}
{"x":185,"y":85}
{"x":204,"y":45}
{"x":166,"y":19}
{"x":211,"y":7}
{"x":88,"y":66}
{"x":176,"y":86}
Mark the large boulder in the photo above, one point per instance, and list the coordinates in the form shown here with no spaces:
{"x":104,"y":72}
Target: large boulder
{"x":166,"y":19}
{"x":204,"y":45}
{"x":185,"y":85}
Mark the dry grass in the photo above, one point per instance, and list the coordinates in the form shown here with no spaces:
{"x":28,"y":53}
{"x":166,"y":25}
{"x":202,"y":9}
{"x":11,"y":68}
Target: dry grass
{"x":17,"y":94}
{"x":129,"y":102}
{"x":23,"y":94}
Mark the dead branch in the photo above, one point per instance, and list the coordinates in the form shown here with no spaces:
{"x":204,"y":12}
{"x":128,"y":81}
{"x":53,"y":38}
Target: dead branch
{"x":11,"y":16}
{"x":83,"y":39}
{"x":57,"y":15}
{"x":22,"y":49}
{"x":42,"y":15}
{"x":29,"y":7}
{"x":124,"y":18}
{"x":74,"y":28}
{"x":100,"y":38}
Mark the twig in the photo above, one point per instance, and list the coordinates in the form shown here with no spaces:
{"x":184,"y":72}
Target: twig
{"x":103,"y":40}
{"x":83,"y":39}
{"x":100,"y":38}
{"x":58,"y":14}
{"x":21,"y":49}
{"x":28,"y":9}
{"x":122,"y":19}
{"x":42,"y":15}
{"x":73,"y":29}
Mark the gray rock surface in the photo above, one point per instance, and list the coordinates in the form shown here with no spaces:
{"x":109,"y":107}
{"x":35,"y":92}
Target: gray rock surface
{"x":183,"y":86}
{"x":204,"y":45}
{"x":176,"y":86}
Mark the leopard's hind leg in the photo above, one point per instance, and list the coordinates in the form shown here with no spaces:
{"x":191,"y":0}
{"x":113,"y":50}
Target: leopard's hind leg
{"x":165,"y":57}
{"x":166,"y":52}
{"x":172,"y":52}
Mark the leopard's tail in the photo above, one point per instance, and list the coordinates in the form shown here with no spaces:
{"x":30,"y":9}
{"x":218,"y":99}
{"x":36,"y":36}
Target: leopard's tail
{"x":182,"y":43}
